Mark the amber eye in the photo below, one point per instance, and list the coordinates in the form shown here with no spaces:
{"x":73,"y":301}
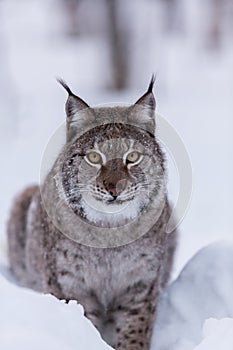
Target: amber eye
{"x":94,"y":157}
{"x":132,"y":157}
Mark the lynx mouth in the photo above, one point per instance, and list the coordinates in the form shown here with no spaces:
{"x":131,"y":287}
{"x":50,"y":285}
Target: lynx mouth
{"x":120,"y":201}
{"x":115,"y":200}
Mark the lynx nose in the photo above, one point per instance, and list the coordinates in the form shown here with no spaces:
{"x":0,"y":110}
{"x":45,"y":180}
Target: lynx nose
{"x":115,"y":188}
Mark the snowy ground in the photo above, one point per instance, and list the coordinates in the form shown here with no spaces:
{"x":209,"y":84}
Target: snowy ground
{"x":202,"y":291}
{"x":31,"y":321}
{"x":194,"y":93}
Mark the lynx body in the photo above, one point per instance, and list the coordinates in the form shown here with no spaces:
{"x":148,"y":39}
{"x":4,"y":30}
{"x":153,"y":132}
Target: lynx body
{"x":111,"y":175}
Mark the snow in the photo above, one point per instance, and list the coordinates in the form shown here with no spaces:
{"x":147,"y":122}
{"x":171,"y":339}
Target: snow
{"x":218,"y":334}
{"x":194,"y":93}
{"x":203,"y":290}
{"x":29,"y":320}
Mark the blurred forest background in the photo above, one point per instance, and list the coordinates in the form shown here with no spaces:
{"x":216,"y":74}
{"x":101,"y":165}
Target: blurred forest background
{"x":107,"y":50}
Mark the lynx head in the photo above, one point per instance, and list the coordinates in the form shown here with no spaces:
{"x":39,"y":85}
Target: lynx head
{"x":113,"y":167}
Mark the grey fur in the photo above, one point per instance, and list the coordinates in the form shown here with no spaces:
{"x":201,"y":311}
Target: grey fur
{"x":118,"y":287}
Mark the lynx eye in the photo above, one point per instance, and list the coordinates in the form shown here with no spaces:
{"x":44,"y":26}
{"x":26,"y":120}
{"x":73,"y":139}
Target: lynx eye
{"x":94,"y":157}
{"x":133,"y":157}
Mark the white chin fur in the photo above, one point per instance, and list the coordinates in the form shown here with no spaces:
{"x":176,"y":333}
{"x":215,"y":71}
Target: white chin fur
{"x":110,"y":214}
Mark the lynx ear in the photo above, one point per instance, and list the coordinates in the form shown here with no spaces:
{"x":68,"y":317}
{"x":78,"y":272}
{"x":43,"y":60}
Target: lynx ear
{"x":76,"y":112}
{"x":143,"y":112}
{"x":74,"y":103}
{"x":148,"y":100}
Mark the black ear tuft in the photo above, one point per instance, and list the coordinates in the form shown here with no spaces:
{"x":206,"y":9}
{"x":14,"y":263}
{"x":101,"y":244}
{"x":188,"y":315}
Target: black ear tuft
{"x":66,"y":87}
{"x":74,"y":103}
{"x":75,"y":107}
{"x":150,"y":88}
{"x":148,"y":99}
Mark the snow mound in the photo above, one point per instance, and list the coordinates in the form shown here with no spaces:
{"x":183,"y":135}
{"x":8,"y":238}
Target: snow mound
{"x":29,"y":320}
{"x":202,"y":291}
{"x":218,"y":334}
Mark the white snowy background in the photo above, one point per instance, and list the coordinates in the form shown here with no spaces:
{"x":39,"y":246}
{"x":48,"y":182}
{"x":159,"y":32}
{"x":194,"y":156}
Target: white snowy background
{"x":193,"y":91}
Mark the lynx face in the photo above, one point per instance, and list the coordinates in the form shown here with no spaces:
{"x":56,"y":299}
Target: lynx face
{"x":112,"y":173}
{"x":113,"y":167}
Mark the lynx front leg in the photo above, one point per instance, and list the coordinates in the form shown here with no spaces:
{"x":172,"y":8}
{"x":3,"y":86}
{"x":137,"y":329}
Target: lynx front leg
{"x":134,"y":328}
{"x":133,"y":323}
{"x":93,"y":310}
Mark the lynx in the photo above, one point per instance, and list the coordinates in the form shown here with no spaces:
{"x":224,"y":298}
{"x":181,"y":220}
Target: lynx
{"x":95,"y":231}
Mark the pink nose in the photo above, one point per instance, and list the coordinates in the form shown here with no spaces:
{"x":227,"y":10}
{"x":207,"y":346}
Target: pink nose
{"x":112,"y":190}
{"x":115,"y":187}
